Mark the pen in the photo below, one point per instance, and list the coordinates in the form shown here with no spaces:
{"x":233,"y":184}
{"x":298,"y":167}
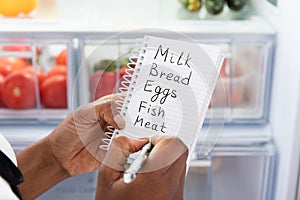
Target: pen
{"x":130,"y":173}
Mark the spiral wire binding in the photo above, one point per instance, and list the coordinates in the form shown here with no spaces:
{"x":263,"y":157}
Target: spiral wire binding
{"x":132,"y":66}
{"x":107,"y":138}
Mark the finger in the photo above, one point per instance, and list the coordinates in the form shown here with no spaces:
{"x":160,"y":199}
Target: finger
{"x":178,"y":166}
{"x":90,"y":113}
{"x":116,"y":158}
{"x":119,"y":150}
{"x":172,"y":181}
{"x":113,"y":97}
{"x":167,"y":143}
{"x":166,"y":151}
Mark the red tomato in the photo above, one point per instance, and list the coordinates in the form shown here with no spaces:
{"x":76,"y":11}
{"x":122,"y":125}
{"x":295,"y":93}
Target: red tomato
{"x":38,"y":50}
{"x":101,"y":84}
{"x":1,"y":88}
{"x":224,"y":69}
{"x":235,"y":98}
{"x":54,"y":92}
{"x":39,"y":73}
{"x":5,"y":69}
{"x":21,"y":48}
{"x":122,"y":73}
{"x":61,"y":59}
{"x":18,"y":91}
{"x":10,"y":64}
{"x":16,"y":48}
{"x":57,"y":70}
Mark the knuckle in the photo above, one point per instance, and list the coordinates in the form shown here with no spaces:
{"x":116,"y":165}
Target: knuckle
{"x":121,"y":141}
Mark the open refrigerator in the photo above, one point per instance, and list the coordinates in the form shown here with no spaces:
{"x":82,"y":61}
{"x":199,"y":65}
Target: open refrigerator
{"x":257,"y":153}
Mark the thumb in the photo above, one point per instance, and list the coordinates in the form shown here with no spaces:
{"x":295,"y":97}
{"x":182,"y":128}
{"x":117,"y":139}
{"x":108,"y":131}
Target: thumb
{"x":106,"y":109}
{"x":103,"y":110}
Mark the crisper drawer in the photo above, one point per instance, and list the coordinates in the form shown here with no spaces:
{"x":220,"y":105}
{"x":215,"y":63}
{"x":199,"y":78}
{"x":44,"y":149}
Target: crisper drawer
{"x":75,"y":188}
{"x":236,"y":172}
{"x":36,"y":79}
{"x":230,"y":173}
{"x":241,"y":94}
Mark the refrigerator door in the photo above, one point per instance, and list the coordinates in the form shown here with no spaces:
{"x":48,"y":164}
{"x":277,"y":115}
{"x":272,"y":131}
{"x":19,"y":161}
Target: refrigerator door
{"x":298,"y":187}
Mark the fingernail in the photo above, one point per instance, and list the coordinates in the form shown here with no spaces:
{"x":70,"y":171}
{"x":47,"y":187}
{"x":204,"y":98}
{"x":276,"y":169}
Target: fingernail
{"x":119,"y":121}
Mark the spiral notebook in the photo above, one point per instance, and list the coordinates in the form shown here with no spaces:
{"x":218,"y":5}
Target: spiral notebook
{"x":167,"y":88}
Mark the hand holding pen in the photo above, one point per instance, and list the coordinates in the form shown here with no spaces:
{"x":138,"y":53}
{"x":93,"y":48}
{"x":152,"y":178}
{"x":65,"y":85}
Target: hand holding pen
{"x":137,"y":163}
{"x":161,"y":175}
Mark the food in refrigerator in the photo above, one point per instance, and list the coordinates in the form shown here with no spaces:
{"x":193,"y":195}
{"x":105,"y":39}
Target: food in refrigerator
{"x":54,"y":91}
{"x":19,"y":77}
{"x":214,"y":7}
{"x":13,"y":8}
{"x":103,"y":80}
{"x":34,"y":79}
{"x":236,"y":5}
{"x":102,"y":83}
{"x":192,"y":5}
{"x":19,"y":91}
{"x":61,"y":58}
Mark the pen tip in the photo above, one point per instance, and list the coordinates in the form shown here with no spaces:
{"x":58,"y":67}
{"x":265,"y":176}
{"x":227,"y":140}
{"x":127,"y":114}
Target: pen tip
{"x":128,"y":177}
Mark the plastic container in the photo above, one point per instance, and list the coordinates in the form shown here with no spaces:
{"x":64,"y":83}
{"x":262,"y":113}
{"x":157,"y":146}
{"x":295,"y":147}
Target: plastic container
{"x":35,"y":98}
{"x":241,"y":94}
{"x":235,"y":172}
{"x":242,"y":91}
{"x":103,"y":65}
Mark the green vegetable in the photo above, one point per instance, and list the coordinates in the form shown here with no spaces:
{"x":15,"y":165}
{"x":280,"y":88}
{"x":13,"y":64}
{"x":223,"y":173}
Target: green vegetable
{"x":236,"y":5}
{"x":214,"y":7}
{"x":109,"y":65}
{"x":105,"y":65}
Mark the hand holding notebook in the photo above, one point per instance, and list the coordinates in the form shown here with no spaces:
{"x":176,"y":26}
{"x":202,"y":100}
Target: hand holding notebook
{"x":168,"y":88}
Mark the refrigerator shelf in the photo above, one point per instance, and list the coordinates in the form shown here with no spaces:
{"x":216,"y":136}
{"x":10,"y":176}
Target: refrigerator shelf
{"x":241,"y":95}
{"x":93,"y":29}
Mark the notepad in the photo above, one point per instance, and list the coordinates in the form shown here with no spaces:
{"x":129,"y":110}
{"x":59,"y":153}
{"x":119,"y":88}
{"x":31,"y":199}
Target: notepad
{"x":168,"y":87}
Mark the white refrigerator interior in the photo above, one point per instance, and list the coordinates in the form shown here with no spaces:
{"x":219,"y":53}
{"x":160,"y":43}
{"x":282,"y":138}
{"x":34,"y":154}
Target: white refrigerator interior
{"x":257,"y":154}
